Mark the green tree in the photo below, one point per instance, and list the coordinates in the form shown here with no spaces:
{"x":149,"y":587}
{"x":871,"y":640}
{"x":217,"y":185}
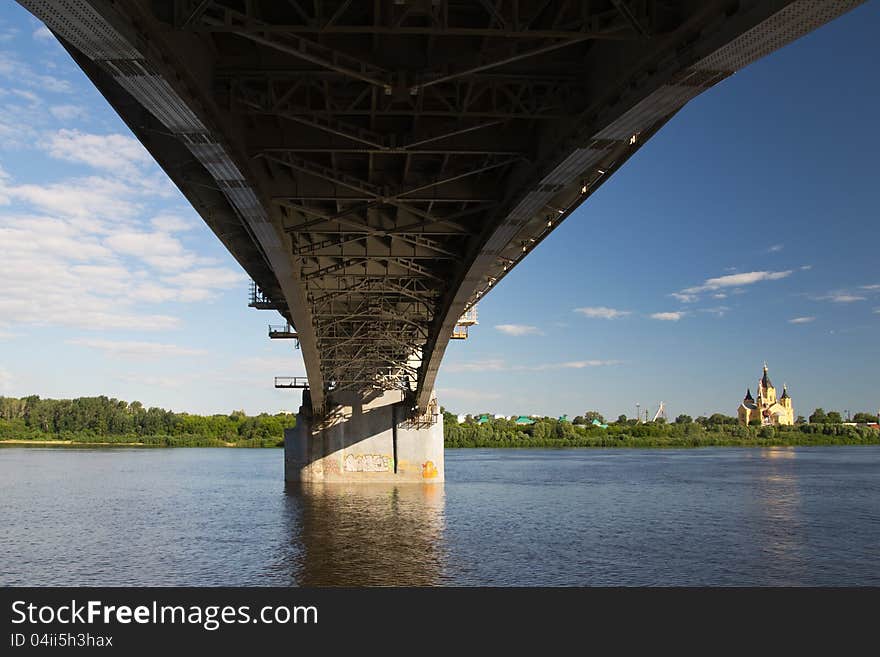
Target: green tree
{"x":621,"y":419}
{"x":864,"y":418}
{"x":833,"y":417}
{"x":684,"y":419}
{"x":719,"y":419}
{"x":818,"y":417}
{"x":589,"y":416}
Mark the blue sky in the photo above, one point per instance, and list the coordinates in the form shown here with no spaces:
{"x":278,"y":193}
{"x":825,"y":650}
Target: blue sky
{"x":746,"y":230}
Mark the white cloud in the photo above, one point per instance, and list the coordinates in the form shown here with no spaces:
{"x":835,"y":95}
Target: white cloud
{"x":737,"y":280}
{"x":801,"y":320}
{"x":133,"y":349}
{"x":498,"y":364}
{"x":720,"y":295}
{"x":170,"y":223}
{"x":840,"y":297}
{"x":91,"y":199}
{"x":668,"y":316}
{"x":118,"y":154}
{"x":17,"y":128}
{"x":162,"y":251}
{"x":199,"y":284}
{"x":68,"y":112}
{"x":577,"y":364}
{"x":870,"y":287}
{"x":684,"y":298}
{"x":518,"y":329}
{"x":76,"y":258}
{"x":806,"y":267}
{"x":24,"y":94}
{"x":718,"y":311}
{"x":20,"y":73}
{"x":485,"y":365}
{"x":43,"y":33}
{"x":776,"y":248}
{"x":602,"y":312}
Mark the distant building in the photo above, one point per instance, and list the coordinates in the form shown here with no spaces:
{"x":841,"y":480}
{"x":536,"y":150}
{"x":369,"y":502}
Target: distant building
{"x":522,"y":419}
{"x":767,"y":408}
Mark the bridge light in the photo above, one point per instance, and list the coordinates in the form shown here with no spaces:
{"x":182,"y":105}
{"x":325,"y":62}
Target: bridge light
{"x":634,"y":138}
{"x":584,"y":189}
{"x":549,"y":223}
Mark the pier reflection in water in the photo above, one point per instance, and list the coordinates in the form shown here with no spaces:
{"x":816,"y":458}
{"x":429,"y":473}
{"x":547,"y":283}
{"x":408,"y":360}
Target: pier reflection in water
{"x":365,"y":535}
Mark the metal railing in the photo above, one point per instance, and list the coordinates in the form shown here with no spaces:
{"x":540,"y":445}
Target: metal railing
{"x":470,"y":316}
{"x":258,"y":300}
{"x":421,"y":421}
{"x":292,"y":382}
{"x":460,"y":332}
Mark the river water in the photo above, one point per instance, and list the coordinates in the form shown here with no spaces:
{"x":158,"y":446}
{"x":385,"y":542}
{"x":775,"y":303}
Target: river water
{"x":208,"y":517}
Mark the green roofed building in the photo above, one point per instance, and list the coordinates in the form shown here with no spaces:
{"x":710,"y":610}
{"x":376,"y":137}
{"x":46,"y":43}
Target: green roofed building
{"x":564,"y":418}
{"x":483,"y":418}
{"x":522,"y":419}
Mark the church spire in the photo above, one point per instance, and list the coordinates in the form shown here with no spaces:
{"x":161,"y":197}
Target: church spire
{"x":784,"y":392}
{"x":748,"y":396}
{"x":765,"y":380}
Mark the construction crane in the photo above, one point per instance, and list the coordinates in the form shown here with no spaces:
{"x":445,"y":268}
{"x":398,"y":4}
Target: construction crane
{"x":661,"y":412}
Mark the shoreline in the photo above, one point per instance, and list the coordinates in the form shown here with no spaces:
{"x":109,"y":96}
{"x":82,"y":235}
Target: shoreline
{"x":228,"y":445}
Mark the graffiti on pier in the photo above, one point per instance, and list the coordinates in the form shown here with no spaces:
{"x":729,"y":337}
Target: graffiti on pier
{"x":368,"y":463}
{"x":331,"y":465}
{"x":429,"y":470}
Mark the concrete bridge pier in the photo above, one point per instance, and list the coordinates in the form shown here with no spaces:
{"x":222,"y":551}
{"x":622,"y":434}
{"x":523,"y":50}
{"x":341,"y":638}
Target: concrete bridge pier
{"x":365,"y":439}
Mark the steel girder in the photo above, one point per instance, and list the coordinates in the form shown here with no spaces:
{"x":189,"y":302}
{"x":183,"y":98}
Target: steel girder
{"x":378,"y":167}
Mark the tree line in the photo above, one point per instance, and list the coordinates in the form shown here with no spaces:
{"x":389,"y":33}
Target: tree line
{"x":716,"y":429}
{"x":103,"y":419}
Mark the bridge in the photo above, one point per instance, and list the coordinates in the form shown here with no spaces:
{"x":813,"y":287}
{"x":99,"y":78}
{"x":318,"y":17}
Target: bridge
{"x":378,"y":166}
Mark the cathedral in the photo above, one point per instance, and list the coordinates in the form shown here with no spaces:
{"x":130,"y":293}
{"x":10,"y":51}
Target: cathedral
{"x":767,"y":408}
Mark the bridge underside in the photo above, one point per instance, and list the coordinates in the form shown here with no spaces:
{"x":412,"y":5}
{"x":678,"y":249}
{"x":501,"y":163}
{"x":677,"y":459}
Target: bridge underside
{"x":377,"y":167}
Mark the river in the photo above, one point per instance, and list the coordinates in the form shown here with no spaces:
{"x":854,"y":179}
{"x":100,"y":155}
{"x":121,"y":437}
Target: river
{"x":208,"y":517}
